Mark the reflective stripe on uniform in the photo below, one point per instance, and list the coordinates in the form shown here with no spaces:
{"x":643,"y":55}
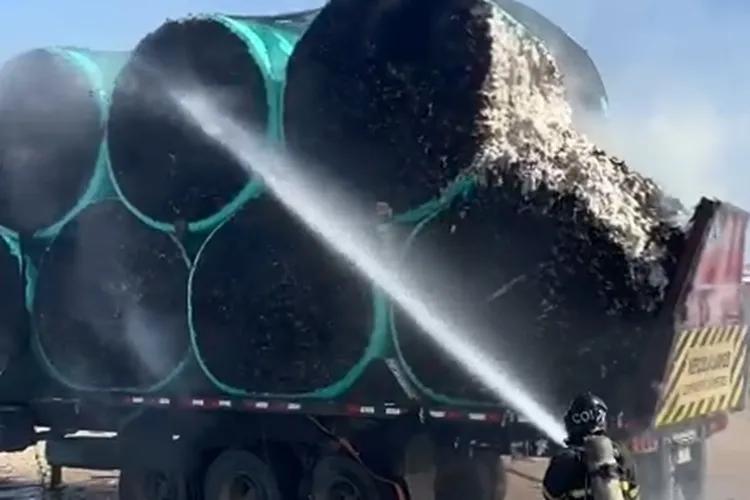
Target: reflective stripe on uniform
{"x":629,"y":490}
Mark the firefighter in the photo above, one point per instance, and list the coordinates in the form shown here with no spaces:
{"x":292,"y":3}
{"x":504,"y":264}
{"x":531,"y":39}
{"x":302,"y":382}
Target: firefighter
{"x":582,"y":471}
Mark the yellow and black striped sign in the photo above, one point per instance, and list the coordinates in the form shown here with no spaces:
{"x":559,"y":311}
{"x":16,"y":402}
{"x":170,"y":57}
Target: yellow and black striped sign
{"x":707,"y":374}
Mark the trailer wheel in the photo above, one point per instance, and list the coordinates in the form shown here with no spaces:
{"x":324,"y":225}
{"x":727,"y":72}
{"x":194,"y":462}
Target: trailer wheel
{"x":494,"y":473}
{"x":137,"y":484}
{"x":240,"y":475}
{"x":480,"y":476}
{"x":336,"y":477}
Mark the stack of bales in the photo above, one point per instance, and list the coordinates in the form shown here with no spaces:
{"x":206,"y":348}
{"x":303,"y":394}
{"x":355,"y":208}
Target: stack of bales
{"x":97,"y":288}
{"x":104,"y":222}
{"x":172,"y":177}
{"x":264,"y":314}
{"x":549,"y":244}
{"x":448,"y":111}
{"x":132,"y":196}
{"x":52,"y":115}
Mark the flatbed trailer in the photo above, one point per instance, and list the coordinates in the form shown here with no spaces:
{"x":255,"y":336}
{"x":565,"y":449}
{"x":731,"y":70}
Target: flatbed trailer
{"x":204,"y":446}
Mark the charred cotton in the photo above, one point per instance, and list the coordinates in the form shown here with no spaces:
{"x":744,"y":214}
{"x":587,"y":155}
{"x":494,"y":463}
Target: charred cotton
{"x":418,"y":93}
{"x":273,"y":310}
{"x":163,"y":164}
{"x":109,"y":303}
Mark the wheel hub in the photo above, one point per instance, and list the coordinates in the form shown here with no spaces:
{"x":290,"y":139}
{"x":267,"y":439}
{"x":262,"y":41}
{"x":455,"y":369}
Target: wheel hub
{"x":244,"y":488}
{"x":159,"y":487}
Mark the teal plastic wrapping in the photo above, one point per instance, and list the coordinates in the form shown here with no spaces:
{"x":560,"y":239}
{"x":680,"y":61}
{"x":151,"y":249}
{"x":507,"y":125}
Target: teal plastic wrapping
{"x":269,"y":42}
{"x":99,"y":69}
{"x":12,"y":332}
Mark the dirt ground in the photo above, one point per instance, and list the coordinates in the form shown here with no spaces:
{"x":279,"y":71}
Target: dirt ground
{"x":728,"y":476}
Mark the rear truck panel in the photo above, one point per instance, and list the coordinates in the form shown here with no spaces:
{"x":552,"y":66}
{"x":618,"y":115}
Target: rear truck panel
{"x":707,"y":375}
{"x":706,"y":372}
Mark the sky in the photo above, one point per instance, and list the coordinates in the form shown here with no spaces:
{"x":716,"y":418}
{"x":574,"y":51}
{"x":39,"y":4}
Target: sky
{"x":675,"y":70}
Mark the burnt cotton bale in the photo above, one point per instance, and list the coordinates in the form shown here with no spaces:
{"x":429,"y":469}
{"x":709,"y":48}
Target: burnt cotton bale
{"x":400,"y":97}
{"x":166,"y":168}
{"x":109,"y":302}
{"x":383,"y":96}
{"x":273,"y":310}
{"x":525,"y":282}
{"x":52,"y":108}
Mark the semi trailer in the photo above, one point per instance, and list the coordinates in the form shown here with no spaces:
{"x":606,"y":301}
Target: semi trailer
{"x":384,"y":436}
{"x":218,"y":349}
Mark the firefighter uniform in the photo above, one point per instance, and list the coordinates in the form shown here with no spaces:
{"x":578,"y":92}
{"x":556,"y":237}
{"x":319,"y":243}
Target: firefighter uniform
{"x":567,"y":477}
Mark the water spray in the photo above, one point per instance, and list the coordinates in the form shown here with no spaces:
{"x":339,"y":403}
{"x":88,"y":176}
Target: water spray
{"x":322,"y":213}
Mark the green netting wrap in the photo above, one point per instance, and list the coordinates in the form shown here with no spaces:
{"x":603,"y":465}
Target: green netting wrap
{"x":108,"y":303}
{"x":274,"y":311}
{"x":12,"y":311}
{"x":167,"y":170}
{"x":53,"y":111}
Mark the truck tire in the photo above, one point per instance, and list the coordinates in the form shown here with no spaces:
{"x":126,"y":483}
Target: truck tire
{"x":239,"y":474}
{"x":690,"y":477}
{"x":480,"y":476}
{"x":494,"y":474}
{"x":142,"y":484}
{"x":336,"y":476}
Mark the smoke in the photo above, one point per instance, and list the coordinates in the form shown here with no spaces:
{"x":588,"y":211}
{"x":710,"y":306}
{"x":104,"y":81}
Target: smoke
{"x":677,"y":75}
{"x":683,"y":141}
